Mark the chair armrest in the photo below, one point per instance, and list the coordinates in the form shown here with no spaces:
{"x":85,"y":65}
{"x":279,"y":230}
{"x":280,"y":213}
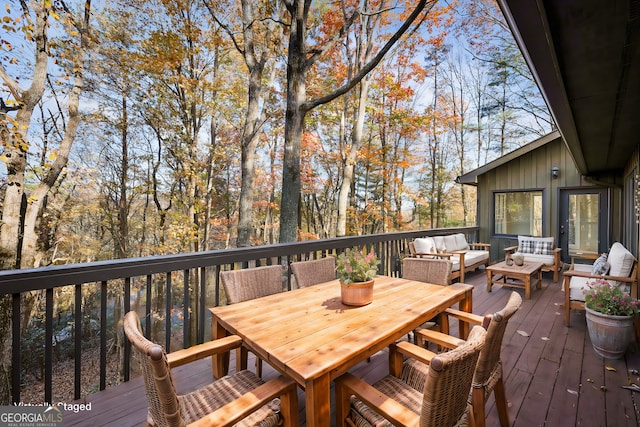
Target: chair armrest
{"x":486,"y":246}
{"x":240,"y":408}
{"x":465,"y":316}
{"x":460,"y":252}
{"x":443,"y":340}
{"x":413,"y":351}
{"x":510,"y":249}
{"x":209,"y":348}
{"x":588,"y":275}
{"x":396,"y":413}
{"x":424,"y":255}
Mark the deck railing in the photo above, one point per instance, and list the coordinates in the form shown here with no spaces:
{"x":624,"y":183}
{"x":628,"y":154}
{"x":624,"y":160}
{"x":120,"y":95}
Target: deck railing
{"x":171,"y":291}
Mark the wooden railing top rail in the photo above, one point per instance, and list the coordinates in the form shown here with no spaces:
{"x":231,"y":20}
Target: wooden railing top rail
{"x":17,"y":281}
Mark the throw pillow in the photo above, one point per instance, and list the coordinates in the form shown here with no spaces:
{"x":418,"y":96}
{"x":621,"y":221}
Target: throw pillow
{"x":601,"y":266}
{"x":527,"y":246}
{"x":543,"y":248}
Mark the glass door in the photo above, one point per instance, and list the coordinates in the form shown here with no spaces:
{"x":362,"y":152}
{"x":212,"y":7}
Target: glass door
{"x":584,"y":221}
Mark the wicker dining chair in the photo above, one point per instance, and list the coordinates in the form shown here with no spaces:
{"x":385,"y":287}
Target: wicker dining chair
{"x":488,"y":374}
{"x":240,"y":399}
{"x":441,"y":401}
{"x":437,"y":271}
{"x":314,"y":271}
{"x":429,"y":270}
{"x":247,"y":284}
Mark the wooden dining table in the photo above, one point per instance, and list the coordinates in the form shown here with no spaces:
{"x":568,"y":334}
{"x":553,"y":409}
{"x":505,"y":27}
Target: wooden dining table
{"x":310,"y":336}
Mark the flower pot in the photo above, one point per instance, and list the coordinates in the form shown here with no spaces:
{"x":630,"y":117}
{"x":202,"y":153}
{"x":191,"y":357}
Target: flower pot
{"x":357,"y":293}
{"x":610,"y":335}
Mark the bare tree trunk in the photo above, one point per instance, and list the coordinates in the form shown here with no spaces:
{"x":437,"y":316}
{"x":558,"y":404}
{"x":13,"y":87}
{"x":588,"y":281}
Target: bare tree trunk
{"x":15,"y":142}
{"x":297,"y":105}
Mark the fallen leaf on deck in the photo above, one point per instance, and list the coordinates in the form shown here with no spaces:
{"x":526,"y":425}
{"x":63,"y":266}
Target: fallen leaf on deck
{"x":603,"y":388}
{"x":589,"y":380}
{"x":575,"y":393}
{"x":546,"y":339}
{"x":523,"y":333}
{"x":610,"y":368}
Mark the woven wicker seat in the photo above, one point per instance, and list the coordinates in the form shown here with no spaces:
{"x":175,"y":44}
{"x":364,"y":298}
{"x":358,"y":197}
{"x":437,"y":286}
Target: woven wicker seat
{"x":240,"y":399}
{"x":247,"y":284}
{"x":395,"y":400}
{"x":429,"y":270}
{"x":488,"y":375}
{"x":315,"y":271}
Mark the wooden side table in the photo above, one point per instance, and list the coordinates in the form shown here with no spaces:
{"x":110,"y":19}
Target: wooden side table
{"x":517,"y":276}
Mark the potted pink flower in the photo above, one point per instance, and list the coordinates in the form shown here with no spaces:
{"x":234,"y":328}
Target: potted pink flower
{"x":356,"y":272}
{"x":610,"y":314}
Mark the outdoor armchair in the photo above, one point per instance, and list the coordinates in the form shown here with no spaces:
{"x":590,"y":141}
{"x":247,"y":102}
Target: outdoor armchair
{"x":620,"y":270}
{"x":538,"y":249}
{"x":240,"y":399}
{"x":437,"y":399}
{"x":488,"y":374}
{"x":314,"y":271}
{"x":247,"y":284}
{"x":429,"y":270}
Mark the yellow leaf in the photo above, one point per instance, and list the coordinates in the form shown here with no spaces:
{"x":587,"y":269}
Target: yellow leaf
{"x":610,"y":368}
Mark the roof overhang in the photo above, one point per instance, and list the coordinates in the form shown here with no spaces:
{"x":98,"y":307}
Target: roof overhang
{"x":585,"y":57}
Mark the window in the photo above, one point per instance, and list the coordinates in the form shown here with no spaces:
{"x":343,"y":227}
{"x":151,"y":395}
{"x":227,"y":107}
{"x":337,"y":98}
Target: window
{"x":518,"y":212}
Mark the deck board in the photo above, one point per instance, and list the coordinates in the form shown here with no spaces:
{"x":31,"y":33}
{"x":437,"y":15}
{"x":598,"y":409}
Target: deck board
{"x":552,"y":376}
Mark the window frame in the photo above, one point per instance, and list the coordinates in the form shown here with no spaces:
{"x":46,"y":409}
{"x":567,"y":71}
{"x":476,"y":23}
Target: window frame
{"x":492,"y":213}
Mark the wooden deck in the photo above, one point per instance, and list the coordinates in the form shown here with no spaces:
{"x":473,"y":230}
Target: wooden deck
{"x":553,"y":376}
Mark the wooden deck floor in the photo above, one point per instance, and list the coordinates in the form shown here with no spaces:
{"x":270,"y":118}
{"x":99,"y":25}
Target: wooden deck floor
{"x":553,"y":376}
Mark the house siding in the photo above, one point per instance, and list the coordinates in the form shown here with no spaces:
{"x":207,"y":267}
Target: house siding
{"x":530,"y":171}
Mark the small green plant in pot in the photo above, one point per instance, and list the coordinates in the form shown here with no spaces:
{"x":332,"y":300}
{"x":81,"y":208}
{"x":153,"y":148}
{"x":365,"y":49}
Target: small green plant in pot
{"x":356,"y":271}
{"x":610,"y":313}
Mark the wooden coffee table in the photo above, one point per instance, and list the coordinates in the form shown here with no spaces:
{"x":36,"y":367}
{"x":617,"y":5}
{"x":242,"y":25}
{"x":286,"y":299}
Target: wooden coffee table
{"x":514,"y":276}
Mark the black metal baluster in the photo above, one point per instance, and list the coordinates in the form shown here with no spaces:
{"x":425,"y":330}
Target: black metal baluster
{"x":167,"y":314}
{"x":15,"y":349}
{"x":185,"y":313}
{"x":103,"y":334}
{"x":126,"y":365}
{"x":147,"y":317}
{"x":48,"y":347}
{"x":78,"y":342}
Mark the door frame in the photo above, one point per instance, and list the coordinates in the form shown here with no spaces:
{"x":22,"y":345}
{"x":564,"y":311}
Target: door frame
{"x":604,"y":209}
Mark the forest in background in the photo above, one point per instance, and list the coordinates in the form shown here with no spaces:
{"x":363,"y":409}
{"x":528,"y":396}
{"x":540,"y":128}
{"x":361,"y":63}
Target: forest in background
{"x":134,"y":128}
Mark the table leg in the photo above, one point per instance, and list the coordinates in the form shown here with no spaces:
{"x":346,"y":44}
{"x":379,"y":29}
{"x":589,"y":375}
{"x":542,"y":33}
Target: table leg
{"x":539,"y":286}
{"x":219,"y":362}
{"x":489,"y":280}
{"x":318,"y":401}
{"x":527,"y":286}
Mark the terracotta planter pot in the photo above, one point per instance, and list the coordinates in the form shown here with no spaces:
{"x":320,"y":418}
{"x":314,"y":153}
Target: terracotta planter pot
{"x":610,"y":335}
{"x":357,"y":294}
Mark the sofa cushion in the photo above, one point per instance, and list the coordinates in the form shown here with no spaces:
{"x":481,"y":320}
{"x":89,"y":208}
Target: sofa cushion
{"x":543,"y":259}
{"x":475,"y":256}
{"x":461,"y":242}
{"x":578,"y":286}
{"x":439,"y":241}
{"x":450,"y":243}
{"x":621,"y":261}
{"x":424,"y":245}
